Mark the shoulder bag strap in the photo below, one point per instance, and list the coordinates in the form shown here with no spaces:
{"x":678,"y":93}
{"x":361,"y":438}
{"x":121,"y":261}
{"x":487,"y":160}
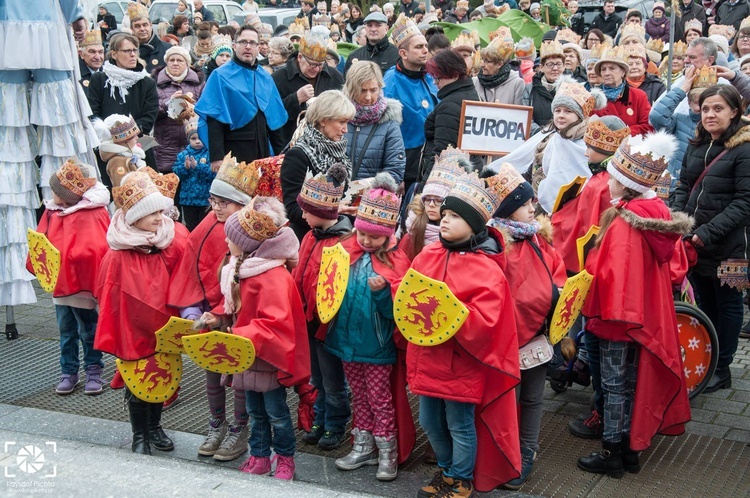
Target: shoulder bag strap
{"x":355,"y":166}
{"x":703,"y":175}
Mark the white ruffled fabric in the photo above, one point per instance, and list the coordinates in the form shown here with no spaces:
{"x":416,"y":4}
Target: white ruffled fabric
{"x":45,"y":45}
{"x":14,"y":104}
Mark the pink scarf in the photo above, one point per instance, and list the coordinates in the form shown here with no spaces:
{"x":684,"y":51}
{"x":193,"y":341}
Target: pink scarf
{"x":122,"y":237}
{"x":431,"y":232}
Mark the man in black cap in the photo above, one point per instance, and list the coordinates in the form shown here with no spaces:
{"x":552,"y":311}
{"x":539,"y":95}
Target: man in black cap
{"x":378,"y":49}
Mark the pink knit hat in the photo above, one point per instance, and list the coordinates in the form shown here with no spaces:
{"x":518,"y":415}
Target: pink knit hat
{"x":379,"y":209}
{"x":258,"y":221}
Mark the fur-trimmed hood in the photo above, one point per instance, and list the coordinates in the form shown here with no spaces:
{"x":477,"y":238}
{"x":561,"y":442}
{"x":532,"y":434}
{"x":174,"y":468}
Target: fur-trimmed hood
{"x":742,"y":136}
{"x":661,"y":227}
{"x":545,"y":231}
{"x":393,"y":112}
{"x":680,"y":224}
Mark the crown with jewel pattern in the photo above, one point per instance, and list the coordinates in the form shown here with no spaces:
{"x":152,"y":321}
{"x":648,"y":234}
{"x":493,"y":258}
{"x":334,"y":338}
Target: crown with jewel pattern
{"x":599,"y":137}
{"x":167,"y":184}
{"x":474,"y":191}
{"x":662,"y":186}
{"x":501,"y":45}
{"x":505,"y":181}
{"x":241,"y":176}
{"x":640,"y":161}
{"x":694,"y":25}
{"x":71,"y":177}
{"x":705,"y":78}
{"x":725,"y":30}
{"x":403,"y":29}
{"x":446,"y":172}
{"x":568,"y":35}
{"x":321,"y":20}
{"x":93,"y":37}
{"x":136,"y":187}
{"x":257,"y":225}
{"x":552,"y":49}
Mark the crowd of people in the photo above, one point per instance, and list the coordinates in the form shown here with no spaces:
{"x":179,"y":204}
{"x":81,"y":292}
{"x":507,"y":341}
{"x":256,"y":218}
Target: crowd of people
{"x":229,"y":157}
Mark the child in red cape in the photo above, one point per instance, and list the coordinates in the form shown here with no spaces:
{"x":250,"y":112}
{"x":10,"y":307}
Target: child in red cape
{"x":262,"y":304}
{"x":535,"y":273}
{"x":75,"y":221}
{"x":142,"y":242}
{"x":467,"y":402}
{"x":631,"y":310}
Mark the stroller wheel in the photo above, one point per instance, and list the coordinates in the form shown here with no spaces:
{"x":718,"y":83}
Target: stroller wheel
{"x":558,"y":387}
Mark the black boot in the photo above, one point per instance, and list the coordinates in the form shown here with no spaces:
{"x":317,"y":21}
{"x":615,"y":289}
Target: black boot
{"x":722,"y":379}
{"x":607,"y":461}
{"x":138,"y":411}
{"x":630,"y":460}
{"x":156,"y":435}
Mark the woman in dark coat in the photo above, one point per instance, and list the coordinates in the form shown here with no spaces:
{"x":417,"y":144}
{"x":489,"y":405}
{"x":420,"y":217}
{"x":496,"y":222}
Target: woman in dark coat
{"x":124,"y":87}
{"x":448,"y":70}
{"x":716,"y":192}
{"x":649,"y":83}
{"x":105,"y":21}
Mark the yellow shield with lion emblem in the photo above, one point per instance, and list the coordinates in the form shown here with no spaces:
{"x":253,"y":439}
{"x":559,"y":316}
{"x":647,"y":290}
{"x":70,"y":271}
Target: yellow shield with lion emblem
{"x":153,"y":379}
{"x":169,"y":337}
{"x":569,"y":305}
{"x":426,"y":311}
{"x":45,"y":259}
{"x":220,"y":352}
{"x":332,"y":281}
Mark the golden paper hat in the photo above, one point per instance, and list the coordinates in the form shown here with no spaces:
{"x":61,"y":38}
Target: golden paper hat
{"x":335,"y":29}
{"x":265,"y":32}
{"x":236,"y":182}
{"x":258,"y":226}
{"x":663,"y":185}
{"x":595,"y":53}
{"x":679,"y":49}
{"x":505,"y":181}
{"x":501,"y":47}
{"x":136,"y":10}
{"x":745,"y":23}
{"x":314,"y":45}
{"x":705,"y":78}
{"x":474,"y":191}
{"x":552,"y":49}
{"x":568,"y":35}
{"x":93,"y":37}
{"x":403,"y":29}
{"x":448,"y":168}
{"x":298,"y":27}
{"x":640,"y":161}
{"x":253,"y":20}
{"x":601,"y":138}
{"x":167,"y":184}
{"x":122,"y":128}
{"x":501,"y":32}
{"x":636,"y":50}
{"x":655,"y":44}
{"x":465,"y":41}
{"x":321,"y":194}
{"x":615,"y":55}
{"x":321,"y":20}
{"x":462,"y":4}
{"x":69,"y":182}
{"x":138,"y":196}
{"x":725,"y":30}
{"x":525,"y":48}
{"x":572,"y":94}
{"x":633,"y":30}
{"x":694,"y":25}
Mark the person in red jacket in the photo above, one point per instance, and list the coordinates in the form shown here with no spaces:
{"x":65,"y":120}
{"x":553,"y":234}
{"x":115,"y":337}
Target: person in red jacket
{"x":142,"y":242}
{"x":467,"y":402}
{"x":75,"y":221}
{"x":261,"y":303}
{"x":535,"y":273}
{"x":631,"y":310}
{"x":319,"y":200}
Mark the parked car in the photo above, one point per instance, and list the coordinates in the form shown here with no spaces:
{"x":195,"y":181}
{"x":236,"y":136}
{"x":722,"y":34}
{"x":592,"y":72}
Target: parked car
{"x":118,"y":9}
{"x":270,"y":15}
{"x":223,"y":10}
{"x":592,"y":8}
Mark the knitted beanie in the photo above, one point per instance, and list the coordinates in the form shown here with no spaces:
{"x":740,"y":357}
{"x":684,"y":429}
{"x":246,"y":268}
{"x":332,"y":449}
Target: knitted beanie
{"x":320,"y":195}
{"x":258,"y":221}
{"x":605,"y":134}
{"x":473,"y":201}
{"x":138,"y":196}
{"x":379,"y":209}
{"x":178,"y":50}
{"x":575,"y":97}
{"x":70,"y":182}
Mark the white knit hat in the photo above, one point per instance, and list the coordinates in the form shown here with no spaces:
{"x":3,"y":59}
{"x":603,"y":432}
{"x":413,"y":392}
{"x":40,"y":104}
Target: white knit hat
{"x":138,"y":196}
{"x":178,"y":50}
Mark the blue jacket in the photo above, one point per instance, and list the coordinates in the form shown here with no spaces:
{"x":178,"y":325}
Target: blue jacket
{"x":363,"y":328}
{"x":385,"y":152}
{"x":194,"y":182}
{"x":419,"y":98}
{"x":662,"y":117}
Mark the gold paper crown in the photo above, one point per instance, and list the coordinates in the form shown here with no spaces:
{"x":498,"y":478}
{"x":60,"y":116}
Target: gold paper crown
{"x":655,"y":44}
{"x":462,"y":4}
{"x":551,"y":49}
{"x":638,"y":168}
{"x":501,"y":47}
{"x":694,"y":25}
{"x":578,"y":93}
{"x":403,"y":29}
{"x":725,"y":30}
{"x":244,"y":177}
{"x":136,"y":10}
{"x":464,"y":41}
{"x":568,"y":35}
{"x":633,"y":29}
{"x":596,"y":53}
{"x":662,"y":186}
{"x":525,"y":47}
{"x":706,"y":77}
{"x":613,"y":54}
{"x":137,"y":186}
{"x":93,"y":37}
{"x":298,"y":27}
{"x":72,"y":178}
{"x":446,"y":172}
{"x":636,"y":50}
{"x":745,"y":23}
{"x":501,"y":32}
{"x":167,"y":184}
{"x":254,"y":20}
{"x":265,"y":32}
{"x":257,"y":225}
{"x":679,"y":49}
{"x":321,"y":20}
{"x":599,"y":137}
{"x":505,"y":181}
{"x":335,"y":29}
{"x":313,"y":47}
{"x":474,"y":191}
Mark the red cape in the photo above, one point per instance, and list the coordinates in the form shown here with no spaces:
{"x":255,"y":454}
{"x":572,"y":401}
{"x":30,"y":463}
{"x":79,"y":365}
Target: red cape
{"x":81,"y":238}
{"x":196,"y":279}
{"x":577,"y":216}
{"x":132,"y":294}
{"x":480,"y":363}
{"x":271,"y":316}
{"x":634,"y":303}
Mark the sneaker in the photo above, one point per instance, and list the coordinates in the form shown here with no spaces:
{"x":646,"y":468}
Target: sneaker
{"x":217,"y":429}
{"x":591,"y":428}
{"x":314,"y":435}
{"x":259,"y":466}
{"x":67,"y":383}
{"x":459,"y":489}
{"x":117,"y":381}
{"x":172,"y":399}
{"x":528,"y":456}
{"x":438,"y":482}
{"x":284,"y":467}
{"x":94,"y":383}
{"x":234,"y":444}
{"x":331,"y":440}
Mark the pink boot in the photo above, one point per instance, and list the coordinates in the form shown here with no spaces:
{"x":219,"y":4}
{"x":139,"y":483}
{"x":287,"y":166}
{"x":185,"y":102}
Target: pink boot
{"x":260,"y":466}
{"x":284,"y":468}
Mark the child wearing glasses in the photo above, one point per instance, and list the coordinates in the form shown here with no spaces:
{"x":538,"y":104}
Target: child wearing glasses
{"x":193,"y":166}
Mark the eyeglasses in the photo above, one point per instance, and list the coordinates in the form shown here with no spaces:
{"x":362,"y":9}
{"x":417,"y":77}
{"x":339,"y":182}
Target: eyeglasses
{"x":434,"y":201}
{"x":130,"y":51}
{"x":218,"y":202}
{"x":313,"y":65}
{"x":245,"y":43}
{"x":743,"y":37}
{"x":553,"y":65}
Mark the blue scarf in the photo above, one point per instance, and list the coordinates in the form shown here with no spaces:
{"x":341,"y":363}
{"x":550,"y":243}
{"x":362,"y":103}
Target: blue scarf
{"x":518,"y":230}
{"x":613,"y":93}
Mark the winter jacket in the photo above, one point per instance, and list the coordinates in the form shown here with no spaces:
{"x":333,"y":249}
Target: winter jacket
{"x":607,"y":25}
{"x":168,"y":132}
{"x":109,"y":21}
{"x":194,"y":182}
{"x":451,"y":16}
{"x":653,"y":87}
{"x":418,"y":96}
{"x":289,"y":79}
{"x":537,"y":96}
{"x":633,"y":108}
{"x":86,"y":73}
{"x":351,"y":27}
{"x":693,"y":11}
{"x":384,"y":152}
{"x":658,"y":28}
{"x":720,"y":204}
{"x":442,"y":125}
{"x":409,"y":8}
{"x":662,"y":117}
{"x":510,"y":92}
{"x":153,"y":53}
{"x":732,"y":15}
{"x":578,"y":24}
{"x":383,"y":53}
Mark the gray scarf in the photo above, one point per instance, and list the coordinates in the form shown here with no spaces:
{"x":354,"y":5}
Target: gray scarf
{"x":322,"y":151}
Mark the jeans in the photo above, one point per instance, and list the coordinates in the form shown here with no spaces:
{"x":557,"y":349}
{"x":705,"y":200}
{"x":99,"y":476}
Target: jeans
{"x":77,"y":324}
{"x":269,"y":409}
{"x":332,"y":410}
{"x":529,"y":393}
{"x":723,"y":306}
{"x":619,"y":369}
{"x":449,"y":426}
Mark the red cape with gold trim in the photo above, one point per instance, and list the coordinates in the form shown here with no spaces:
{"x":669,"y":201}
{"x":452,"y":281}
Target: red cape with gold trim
{"x":81,"y":238}
{"x":636,"y":304}
{"x":132,"y":294}
{"x":196,"y":278}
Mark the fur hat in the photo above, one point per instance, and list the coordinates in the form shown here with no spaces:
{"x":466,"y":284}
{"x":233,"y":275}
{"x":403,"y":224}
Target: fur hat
{"x":70,"y":182}
{"x":605,"y":134}
{"x":640,"y":161}
{"x":575,"y":97}
{"x":121,"y":128}
{"x":379,"y":209}
{"x":236,"y":182}
{"x":320,"y":195}
{"x":473,"y":201}
{"x":451,"y":165}
{"x":258,"y":221}
{"x":138,"y":196}
{"x":178,"y":50}
{"x":511,"y":189}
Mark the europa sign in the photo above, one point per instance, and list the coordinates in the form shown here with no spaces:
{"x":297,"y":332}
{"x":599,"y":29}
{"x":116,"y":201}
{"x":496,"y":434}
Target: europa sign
{"x":493,"y":129}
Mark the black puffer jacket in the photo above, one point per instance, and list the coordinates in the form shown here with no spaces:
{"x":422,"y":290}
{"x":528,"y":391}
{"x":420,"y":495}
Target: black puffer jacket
{"x":383,"y":53}
{"x":653,"y":87}
{"x":732,"y":15}
{"x":720,"y":204}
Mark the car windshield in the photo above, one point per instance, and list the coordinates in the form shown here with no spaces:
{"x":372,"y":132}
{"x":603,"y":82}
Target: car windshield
{"x":162,"y":12}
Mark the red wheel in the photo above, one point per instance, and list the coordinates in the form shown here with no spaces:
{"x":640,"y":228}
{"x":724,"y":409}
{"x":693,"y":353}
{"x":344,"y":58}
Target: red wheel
{"x":699,"y":345}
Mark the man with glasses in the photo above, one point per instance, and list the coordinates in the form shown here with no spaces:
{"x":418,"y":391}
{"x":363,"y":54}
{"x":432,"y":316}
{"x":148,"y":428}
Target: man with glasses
{"x":541,"y":91}
{"x":304,"y":76}
{"x":240,"y":111}
{"x":152,"y":49}
{"x":378,"y":49}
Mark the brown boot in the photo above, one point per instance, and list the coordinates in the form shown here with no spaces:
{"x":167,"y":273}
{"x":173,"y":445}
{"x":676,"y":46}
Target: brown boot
{"x":438,"y":482}
{"x":460,"y":489}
